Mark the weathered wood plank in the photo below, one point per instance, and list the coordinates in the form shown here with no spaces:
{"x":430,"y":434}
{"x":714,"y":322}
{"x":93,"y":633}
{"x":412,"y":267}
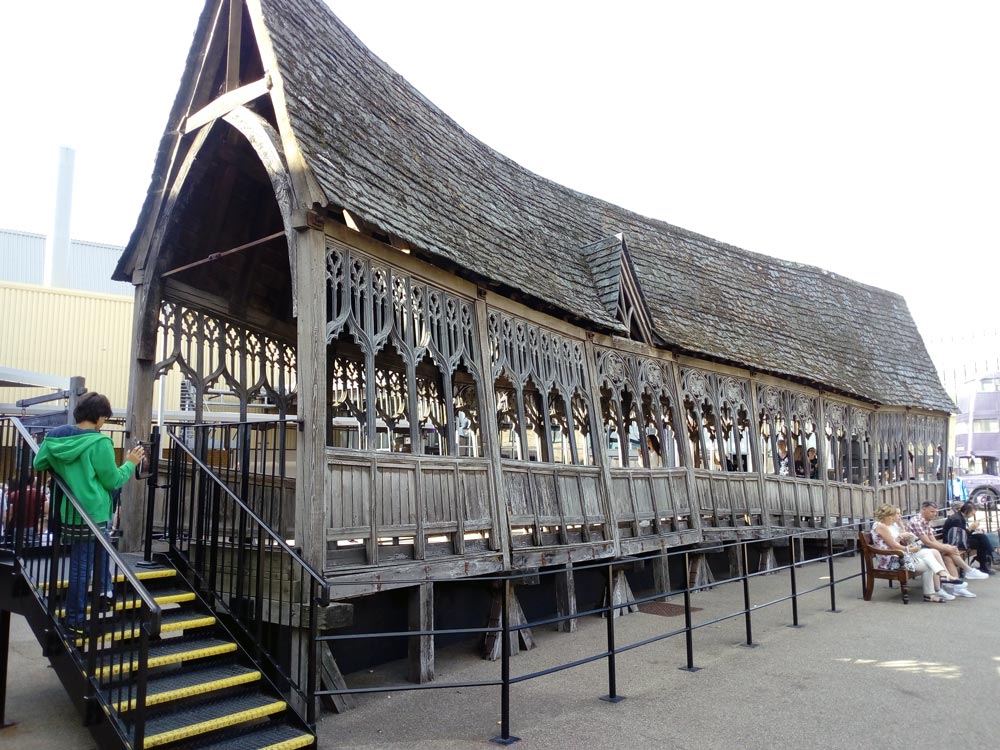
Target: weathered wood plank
{"x":421,"y":648}
{"x":566,"y":599}
{"x":332,"y":679}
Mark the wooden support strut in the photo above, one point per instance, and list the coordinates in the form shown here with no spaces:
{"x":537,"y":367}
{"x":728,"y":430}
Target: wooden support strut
{"x":620,"y":594}
{"x":700,"y":573}
{"x":216,"y":256}
{"x":332,"y":679}
{"x":493,"y":643}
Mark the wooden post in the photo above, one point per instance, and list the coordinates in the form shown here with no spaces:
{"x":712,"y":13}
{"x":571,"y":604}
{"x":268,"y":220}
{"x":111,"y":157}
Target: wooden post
{"x":421,"y":647}
{"x":138,"y":422}
{"x":699,"y":572}
{"x":768,"y":562}
{"x":600,"y":452}
{"x":694,"y":507}
{"x":661,"y":575}
{"x":309,"y":249}
{"x":735,"y":561}
{"x":500,"y":535}
{"x":566,"y":599}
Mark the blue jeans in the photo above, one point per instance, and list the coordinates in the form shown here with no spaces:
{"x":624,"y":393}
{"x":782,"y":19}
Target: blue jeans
{"x":81,"y":573}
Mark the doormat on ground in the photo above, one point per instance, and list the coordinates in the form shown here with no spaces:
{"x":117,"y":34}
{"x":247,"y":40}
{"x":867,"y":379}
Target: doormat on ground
{"x":665,"y":609}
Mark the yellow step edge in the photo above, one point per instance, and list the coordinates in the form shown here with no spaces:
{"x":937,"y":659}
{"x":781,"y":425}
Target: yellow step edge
{"x":195,"y":622}
{"x":144,"y":575}
{"x":159,"y":661}
{"x":187,"y":692}
{"x":293,"y":744}
{"x":171,"y":627}
{"x":186,"y":596}
{"x":210,"y":726}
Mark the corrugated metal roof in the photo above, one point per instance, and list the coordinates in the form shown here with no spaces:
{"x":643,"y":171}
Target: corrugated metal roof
{"x":22,"y":261}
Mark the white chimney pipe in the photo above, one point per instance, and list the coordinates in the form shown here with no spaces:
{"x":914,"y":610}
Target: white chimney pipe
{"x":56,"y":266}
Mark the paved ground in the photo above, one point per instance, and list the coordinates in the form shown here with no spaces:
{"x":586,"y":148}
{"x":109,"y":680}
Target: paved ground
{"x":920,"y":676}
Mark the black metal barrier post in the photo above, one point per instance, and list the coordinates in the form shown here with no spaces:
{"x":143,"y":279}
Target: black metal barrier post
{"x":151,"y":487}
{"x":505,"y":737}
{"x":688,"y":632}
{"x":612,"y":696}
{"x":744,"y":574}
{"x":795,"y":590}
{"x":833,"y":578}
{"x":5,"y":645}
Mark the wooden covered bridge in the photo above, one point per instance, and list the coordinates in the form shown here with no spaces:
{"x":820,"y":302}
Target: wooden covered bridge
{"x":469,"y":368}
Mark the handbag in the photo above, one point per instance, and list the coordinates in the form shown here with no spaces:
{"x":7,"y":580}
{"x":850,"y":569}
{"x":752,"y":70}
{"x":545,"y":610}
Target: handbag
{"x":908,"y":562}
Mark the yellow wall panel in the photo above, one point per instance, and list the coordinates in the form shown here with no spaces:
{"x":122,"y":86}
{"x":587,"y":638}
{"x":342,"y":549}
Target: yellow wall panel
{"x":64,"y":333}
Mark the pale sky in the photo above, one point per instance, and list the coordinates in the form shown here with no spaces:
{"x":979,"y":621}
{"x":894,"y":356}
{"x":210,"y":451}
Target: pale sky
{"x":861,"y":137}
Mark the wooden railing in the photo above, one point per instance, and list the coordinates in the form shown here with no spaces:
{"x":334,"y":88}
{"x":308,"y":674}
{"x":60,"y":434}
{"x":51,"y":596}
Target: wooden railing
{"x":387,"y":507}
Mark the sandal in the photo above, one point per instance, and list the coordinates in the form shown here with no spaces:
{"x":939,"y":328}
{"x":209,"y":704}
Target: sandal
{"x":934,"y":598}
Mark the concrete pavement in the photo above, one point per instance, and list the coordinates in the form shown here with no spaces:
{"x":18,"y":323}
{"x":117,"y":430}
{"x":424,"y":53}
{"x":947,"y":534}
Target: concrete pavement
{"x":916,"y":676}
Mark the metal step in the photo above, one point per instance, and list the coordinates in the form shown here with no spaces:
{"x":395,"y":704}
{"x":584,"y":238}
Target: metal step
{"x":208,"y":717}
{"x":161,"y":597}
{"x":268,"y":738}
{"x":143,"y":574}
{"x":171,"y":621}
{"x":171,"y":652}
{"x":185,"y":683}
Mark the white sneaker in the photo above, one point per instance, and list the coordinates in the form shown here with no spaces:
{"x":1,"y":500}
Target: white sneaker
{"x":963,"y":592}
{"x":945,"y":595}
{"x":976,"y":574}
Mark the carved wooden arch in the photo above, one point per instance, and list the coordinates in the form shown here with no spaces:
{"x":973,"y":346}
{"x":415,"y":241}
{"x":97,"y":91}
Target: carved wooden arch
{"x":523,"y":351}
{"x":266,"y":143}
{"x":250,"y":361}
{"x":792,"y":407}
{"x":706,"y":396}
{"x":628,"y":377}
{"x":844,"y":422}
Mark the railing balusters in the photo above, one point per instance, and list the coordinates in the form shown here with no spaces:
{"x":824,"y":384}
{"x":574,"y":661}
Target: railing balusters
{"x":233,"y":527}
{"x":106,"y":654}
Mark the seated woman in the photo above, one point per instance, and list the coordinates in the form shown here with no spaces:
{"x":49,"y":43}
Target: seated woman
{"x":886,"y":534}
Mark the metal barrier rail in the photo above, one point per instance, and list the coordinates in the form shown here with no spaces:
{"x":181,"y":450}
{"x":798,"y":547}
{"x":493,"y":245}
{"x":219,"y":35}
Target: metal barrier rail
{"x":506,"y":629}
{"x":113,"y":646}
{"x":248,"y":570}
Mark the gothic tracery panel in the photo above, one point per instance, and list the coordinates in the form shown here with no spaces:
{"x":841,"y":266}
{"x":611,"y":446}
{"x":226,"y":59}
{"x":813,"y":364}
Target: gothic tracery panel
{"x":718,"y":418}
{"x":788,"y":434}
{"x":543,"y":401}
{"x":412,"y":352}
{"x":637,"y":410}
{"x":213,"y":352}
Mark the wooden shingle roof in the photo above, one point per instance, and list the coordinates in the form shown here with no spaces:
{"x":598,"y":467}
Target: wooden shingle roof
{"x":381,"y":150}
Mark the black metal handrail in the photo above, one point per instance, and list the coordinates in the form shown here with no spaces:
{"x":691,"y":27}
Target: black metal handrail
{"x":48,"y":552}
{"x":248,"y":570}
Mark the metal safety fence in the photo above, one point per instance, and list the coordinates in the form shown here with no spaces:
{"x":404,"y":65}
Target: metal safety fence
{"x":507,"y":629}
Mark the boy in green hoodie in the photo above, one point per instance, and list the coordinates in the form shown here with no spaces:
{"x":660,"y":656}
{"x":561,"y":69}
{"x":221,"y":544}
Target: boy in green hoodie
{"x":84,"y":459}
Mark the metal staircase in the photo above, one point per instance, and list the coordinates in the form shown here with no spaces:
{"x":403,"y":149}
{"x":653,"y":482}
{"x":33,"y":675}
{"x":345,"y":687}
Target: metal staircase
{"x":168,"y":661}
